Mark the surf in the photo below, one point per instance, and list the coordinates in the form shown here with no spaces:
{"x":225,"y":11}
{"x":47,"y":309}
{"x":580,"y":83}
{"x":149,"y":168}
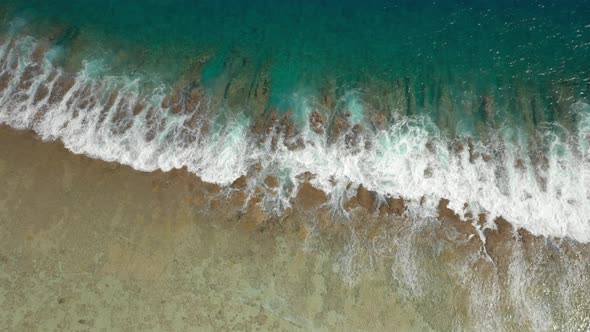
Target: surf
{"x":541,"y":186}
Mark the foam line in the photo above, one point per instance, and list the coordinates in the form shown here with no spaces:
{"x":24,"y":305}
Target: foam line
{"x":115,"y":119}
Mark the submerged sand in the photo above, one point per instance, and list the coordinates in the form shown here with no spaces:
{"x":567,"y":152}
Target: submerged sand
{"x":91,"y":245}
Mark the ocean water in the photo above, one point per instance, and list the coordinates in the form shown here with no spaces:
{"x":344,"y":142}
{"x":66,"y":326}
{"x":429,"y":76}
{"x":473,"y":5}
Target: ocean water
{"x":481,"y":104}
{"x":485,"y":105}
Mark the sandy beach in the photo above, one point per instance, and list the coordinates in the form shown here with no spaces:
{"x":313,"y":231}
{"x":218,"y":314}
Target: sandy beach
{"x":90,"y":245}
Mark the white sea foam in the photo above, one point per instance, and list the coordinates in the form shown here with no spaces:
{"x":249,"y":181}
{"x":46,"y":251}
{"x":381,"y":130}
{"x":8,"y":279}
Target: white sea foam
{"x":550,"y":200}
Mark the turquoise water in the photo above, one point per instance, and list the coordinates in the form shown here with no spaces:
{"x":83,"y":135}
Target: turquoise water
{"x":466,"y":45}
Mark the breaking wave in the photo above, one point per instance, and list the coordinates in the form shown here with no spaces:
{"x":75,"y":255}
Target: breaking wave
{"x":537,"y":179}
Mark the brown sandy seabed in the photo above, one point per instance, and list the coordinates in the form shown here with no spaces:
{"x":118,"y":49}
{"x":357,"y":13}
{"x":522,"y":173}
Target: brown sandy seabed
{"x":91,"y":245}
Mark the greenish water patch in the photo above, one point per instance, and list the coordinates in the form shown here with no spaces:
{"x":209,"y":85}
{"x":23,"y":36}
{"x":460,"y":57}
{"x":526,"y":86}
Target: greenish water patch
{"x":473,"y":45}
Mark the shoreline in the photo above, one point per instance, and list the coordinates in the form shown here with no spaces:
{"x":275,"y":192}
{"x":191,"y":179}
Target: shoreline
{"x":371,"y":254}
{"x":89,"y":244}
{"x":331,"y":144}
{"x":310,"y":199}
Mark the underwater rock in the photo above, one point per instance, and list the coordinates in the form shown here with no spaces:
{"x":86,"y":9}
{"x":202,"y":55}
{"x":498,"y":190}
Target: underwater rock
{"x":240,"y":183}
{"x":237,"y":81}
{"x":530,"y":242}
{"x":295,"y":145}
{"x":398,"y":99}
{"x":411,"y":97}
{"x":457,"y":147}
{"x":487,"y":108}
{"x":473,"y":155}
{"x":287,"y":126}
{"x":520,"y":165}
{"x":291,"y":138}
{"x":521,"y":105}
{"x":309,"y":197}
{"x":40,"y":93}
{"x":110,"y":101}
{"x":54,"y":33}
{"x":138,"y":107}
{"x":238,"y":198}
{"x":364,"y":198}
{"x":152,"y":123}
{"x":428,"y":172}
{"x":562,"y":98}
{"x":186,"y":93}
{"x":280,"y":130}
{"x":254,"y":214}
{"x":498,"y":242}
{"x":83,"y":97}
{"x":445,"y":110}
{"x":384,"y":100}
{"x":28,"y":76}
{"x":396,"y":205}
{"x":430,"y":146}
{"x":261,"y":95}
{"x":448,"y":216}
{"x":122,"y":120}
{"x":271,"y":122}
{"x":193,"y":97}
{"x":271,"y":181}
{"x":258,"y":128}
{"x":379,"y":121}
{"x":305,"y":177}
{"x":422,"y":94}
{"x":354,"y":136}
{"x":39,"y":52}
{"x":4,"y":80}
{"x":317,"y":123}
{"x":63,"y":84}
{"x":328,"y":93}
{"x":183,"y":99}
{"x":339,"y":126}
{"x":263,"y":126}
{"x":538,"y":108}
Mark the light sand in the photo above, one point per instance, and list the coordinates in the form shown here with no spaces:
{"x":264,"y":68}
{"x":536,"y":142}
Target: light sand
{"x":90,"y":245}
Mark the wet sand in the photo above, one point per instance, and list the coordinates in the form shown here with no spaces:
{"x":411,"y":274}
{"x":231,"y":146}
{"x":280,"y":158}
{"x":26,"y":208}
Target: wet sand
{"x":91,"y":245}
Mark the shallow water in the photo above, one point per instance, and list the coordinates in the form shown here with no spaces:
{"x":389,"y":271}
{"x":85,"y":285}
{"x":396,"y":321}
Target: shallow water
{"x":87,"y":245}
{"x":90,"y":245}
